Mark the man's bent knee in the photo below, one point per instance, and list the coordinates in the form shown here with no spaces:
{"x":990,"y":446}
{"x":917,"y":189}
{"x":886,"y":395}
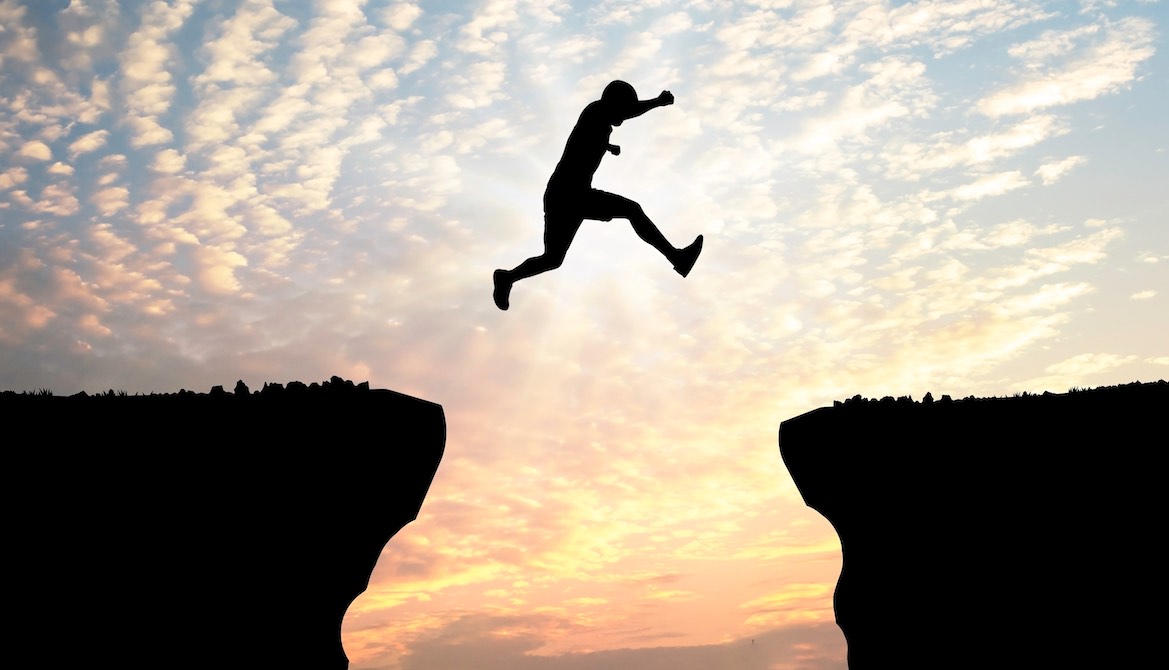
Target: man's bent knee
{"x":633,"y":212}
{"x":548,"y":261}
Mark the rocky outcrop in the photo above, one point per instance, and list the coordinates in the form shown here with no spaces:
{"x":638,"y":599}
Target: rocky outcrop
{"x":992,"y":532}
{"x":212,"y":530}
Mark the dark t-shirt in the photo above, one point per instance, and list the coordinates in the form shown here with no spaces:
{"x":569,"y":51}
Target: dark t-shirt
{"x":584,"y":150}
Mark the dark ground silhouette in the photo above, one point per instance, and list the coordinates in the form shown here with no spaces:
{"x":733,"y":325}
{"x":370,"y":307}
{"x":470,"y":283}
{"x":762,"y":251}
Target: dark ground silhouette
{"x":233,"y":530}
{"x":196,"y":530}
{"x":570,"y":198}
{"x":993,"y":532}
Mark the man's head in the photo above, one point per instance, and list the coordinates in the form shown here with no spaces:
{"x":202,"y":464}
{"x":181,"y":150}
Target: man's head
{"x":619,"y":98}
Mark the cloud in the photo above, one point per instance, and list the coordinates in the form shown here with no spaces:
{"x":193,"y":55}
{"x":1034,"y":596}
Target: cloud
{"x":1054,"y":171}
{"x":788,"y":605}
{"x":110,"y":201}
{"x":146,"y":65}
{"x":895,"y":88}
{"x":494,"y":642}
{"x":944,"y":27}
{"x":1016,"y":233}
{"x":20,"y":313}
{"x":672,"y":23}
{"x":88,"y":143}
{"x":422,"y":53}
{"x":1077,"y":371}
{"x":18,"y":42}
{"x":478,"y":87}
{"x":217,"y":266}
{"x":91,"y":324}
{"x":148,"y":131}
{"x":1082,"y":249}
{"x":487,"y":29}
{"x":914,"y":160}
{"x":375,"y":50}
{"x":991,"y":185}
{"x":57,"y":199}
{"x":1104,"y":66}
{"x":233,"y":56}
{"x":36,"y":150}
{"x":168,"y":161}
{"x":1051,"y":44}
{"x":401,"y":15}
{"x":13,"y":177}
{"x":384,"y":79}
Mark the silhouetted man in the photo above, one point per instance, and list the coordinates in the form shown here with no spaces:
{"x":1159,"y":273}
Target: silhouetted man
{"x":570,"y":197}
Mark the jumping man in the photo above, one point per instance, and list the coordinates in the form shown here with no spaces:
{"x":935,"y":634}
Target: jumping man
{"x":570,"y":197}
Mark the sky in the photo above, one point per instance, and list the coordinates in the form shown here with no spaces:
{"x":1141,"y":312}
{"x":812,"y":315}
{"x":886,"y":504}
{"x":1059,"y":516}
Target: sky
{"x":963,"y":198}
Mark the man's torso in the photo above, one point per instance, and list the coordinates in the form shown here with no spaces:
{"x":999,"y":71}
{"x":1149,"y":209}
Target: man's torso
{"x":583,"y":151}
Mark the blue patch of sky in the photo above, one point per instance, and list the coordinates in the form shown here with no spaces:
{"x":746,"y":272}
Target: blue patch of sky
{"x":196,"y":31}
{"x":42,"y":16}
{"x":44,"y":12}
{"x":302,"y":11}
{"x":1130,"y":126}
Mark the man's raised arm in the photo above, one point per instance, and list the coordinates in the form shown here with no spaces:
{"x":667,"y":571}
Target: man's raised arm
{"x":643,"y":106}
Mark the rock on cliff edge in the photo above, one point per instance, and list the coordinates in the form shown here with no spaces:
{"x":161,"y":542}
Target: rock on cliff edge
{"x":996,"y":532}
{"x":211,"y":530}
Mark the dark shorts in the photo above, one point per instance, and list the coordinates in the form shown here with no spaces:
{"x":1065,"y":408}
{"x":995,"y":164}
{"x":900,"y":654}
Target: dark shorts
{"x":565,"y":207}
{"x":575,"y":205}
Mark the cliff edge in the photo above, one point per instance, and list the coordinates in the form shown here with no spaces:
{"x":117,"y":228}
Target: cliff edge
{"x":992,"y":532}
{"x":213,"y":530}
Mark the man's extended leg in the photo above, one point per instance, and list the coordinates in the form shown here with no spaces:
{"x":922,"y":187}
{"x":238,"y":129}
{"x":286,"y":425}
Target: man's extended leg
{"x":647,"y":231}
{"x":605,"y":206}
{"x":558,"y":235}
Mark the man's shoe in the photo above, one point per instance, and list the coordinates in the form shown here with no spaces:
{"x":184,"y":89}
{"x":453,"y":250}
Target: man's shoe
{"x":687,"y":257}
{"x":502,"y":289}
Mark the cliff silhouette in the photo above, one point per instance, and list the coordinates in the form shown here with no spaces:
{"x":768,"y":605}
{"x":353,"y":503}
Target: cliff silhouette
{"x":205,"y":530}
{"x":992,"y":532}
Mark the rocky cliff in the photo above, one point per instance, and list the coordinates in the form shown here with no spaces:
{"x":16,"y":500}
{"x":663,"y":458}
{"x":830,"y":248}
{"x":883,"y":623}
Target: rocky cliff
{"x":1014,"y":532}
{"x":218,"y":530}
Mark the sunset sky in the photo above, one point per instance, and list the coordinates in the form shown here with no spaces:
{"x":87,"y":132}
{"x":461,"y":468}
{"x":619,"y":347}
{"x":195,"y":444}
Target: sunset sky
{"x":963,"y":197}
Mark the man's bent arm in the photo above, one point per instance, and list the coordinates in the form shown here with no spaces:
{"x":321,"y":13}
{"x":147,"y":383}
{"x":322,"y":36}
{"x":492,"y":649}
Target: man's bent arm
{"x":643,"y":106}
